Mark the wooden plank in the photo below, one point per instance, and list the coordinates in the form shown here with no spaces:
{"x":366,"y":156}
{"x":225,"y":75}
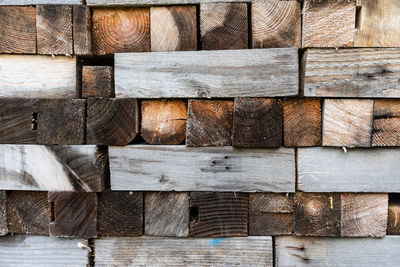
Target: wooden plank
{"x":302,"y":122}
{"x":276,"y":23}
{"x":120,"y":30}
{"x":235,"y":251}
{"x":166,"y":214}
{"x":223,"y":26}
{"x":386,"y":123}
{"x":52,"y":168}
{"x":97,"y":81}
{"x":393,"y":216}
{"x":82,"y":30}
{"x":39,"y":2}
{"x":209,"y":123}
{"x":28,"y":213}
{"x":37,"y":76}
{"x":3,"y":213}
{"x":75,"y":214}
{"x":120,"y":213}
{"x":317,"y":251}
{"x":358,"y":170}
{"x":257,"y":122}
{"x":54,"y":29}
{"x":173,"y":28}
{"x":180,"y":168}
{"x":163,"y":121}
{"x":151,"y":2}
{"x":363,"y":72}
{"x":231,"y":73}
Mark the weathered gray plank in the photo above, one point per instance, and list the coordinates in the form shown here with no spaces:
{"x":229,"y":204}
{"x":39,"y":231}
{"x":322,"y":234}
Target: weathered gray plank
{"x":31,"y":76}
{"x":148,"y":251}
{"x":152,"y":2}
{"x":319,"y":251}
{"x":39,"y":2}
{"x":358,"y":170}
{"x":223,"y":73}
{"x":180,"y":168}
{"x":22,"y":250}
{"x":3,"y":213}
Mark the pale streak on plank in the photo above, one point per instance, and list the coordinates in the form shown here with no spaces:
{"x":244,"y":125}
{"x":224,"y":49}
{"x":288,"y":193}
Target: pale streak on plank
{"x":39,"y":2}
{"x":23,"y":250}
{"x":153,"y":2}
{"x":180,"y":168}
{"x":37,"y":76}
{"x":358,"y":170}
{"x":192,"y":74}
{"x":320,"y":251}
{"x":151,"y":251}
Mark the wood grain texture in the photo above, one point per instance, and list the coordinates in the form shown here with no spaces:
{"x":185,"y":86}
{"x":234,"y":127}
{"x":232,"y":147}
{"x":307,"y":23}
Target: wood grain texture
{"x":22,"y":250}
{"x":173,"y":28}
{"x":39,"y":2}
{"x":276,"y":23}
{"x":150,"y":2}
{"x":358,"y":170}
{"x":37,"y":76}
{"x":209,"y":123}
{"x":386,"y":123}
{"x":302,"y":122}
{"x":223,"y":26}
{"x":180,"y":168}
{"x":120,"y":213}
{"x":347,"y":122}
{"x":111,"y":121}
{"x":52,"y":168}
{"x":82,"y":30}
{"x":97,"y":81}
{"x":3,"y":213}
{"x":166,"y":214}
{"x":257,"y":122}
{"x":231,"y":73}
{"x":117,"y":30}
{"x":235,"y":251}
{"x":363,"y":72}
{"x":393,"y":222}
{"x":17,"y":30}
{"x":163,"y":121}
{"x":328,"y":23}
{"x":28,"y":213}
{"x":54,"y":29}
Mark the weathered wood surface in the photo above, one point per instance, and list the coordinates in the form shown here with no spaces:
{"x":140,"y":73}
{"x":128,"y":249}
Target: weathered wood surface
{"x":229,"y":73}
{"x":166,"y":214}
{"x":276,"y":23}
{"x":97,"y":81}
{"x":158,"y":251}
{"x":393,"y":222}
{"x":82,"y":30}
{"x":39,"y":2}
{"x":52,"y":168}
{"x":386,"y":125}
{"x":151,"y":2}
{"x":358,"y":170}
{"x":173,"y":28}
{"x":181,"y":168}
{"x":22,"y":250}
{"x":3,"y":213}
{"x":363,"y":72}
{"x":318,"y":251}
{"x":120,"y":213}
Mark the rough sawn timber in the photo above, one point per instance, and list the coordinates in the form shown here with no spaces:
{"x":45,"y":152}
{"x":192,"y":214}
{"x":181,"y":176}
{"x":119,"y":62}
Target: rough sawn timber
{"x":39,"y":2}
{"x":151,"y":2}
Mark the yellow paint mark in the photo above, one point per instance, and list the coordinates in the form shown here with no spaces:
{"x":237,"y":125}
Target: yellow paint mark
{"x":331,"y":200}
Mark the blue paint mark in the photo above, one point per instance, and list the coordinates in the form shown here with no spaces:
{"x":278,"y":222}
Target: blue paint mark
{"x":216,"y":241}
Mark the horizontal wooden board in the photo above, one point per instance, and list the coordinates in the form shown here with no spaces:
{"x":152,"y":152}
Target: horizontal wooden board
{"x":180,"y":168}
{"x":149,"y":251}
{"x":192,"y":74}
{"x":314,"y":251}
{"x":152,"y":2}
{"x":358,"y":170}
{"x":31,"y":76}
{"x":39,"y":2}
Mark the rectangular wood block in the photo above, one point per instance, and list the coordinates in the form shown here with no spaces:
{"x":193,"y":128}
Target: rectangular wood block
{"x":200,"y":74}
{"x":362,"y":72}
{"x":173,"y":28}
{"x":82,"y":30}
{"x":3,"y":213}
{"x":386,"y":131}
{"x":97,"y":81}
{"x":148,"y":2}
{"x":120,"y":213}
{"x":166,"y":214}
{"x":393,"y":216}
{"x":276,"y":23}
{"x":235,"y":251}
{"x":180,"y":168}
{"x":347,"y":122}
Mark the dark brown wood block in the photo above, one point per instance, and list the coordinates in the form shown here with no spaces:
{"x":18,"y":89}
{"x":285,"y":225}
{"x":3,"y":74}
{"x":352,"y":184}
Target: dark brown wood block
{"x":17,"y":30}
{"x":386,"y":125}
{"x":209,"y":123}
{"x":257,"y":122}
{"x":120,"y":213}
{"x":216,"y":214}
{"x":3,"y":213}
{"x":111,"y":121}
{"x":97,"y":81}
{"x":75,"y":214}
{"x":28,"y":213}
{"x":393,"y":223}
{"x":54,"y":29}
{"x":82,"y":30}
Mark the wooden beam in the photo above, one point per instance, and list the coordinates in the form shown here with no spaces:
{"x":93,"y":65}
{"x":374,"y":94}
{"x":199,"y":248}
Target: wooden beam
{"x":276,"y":23}
{"x":3,"y":213}
{"x":386,"y":123}
{"x":150,"y":2}
{"x":166,"y":214}
{"x":201,"y":169}
{"x":393,"y":216}
{"x":230,"y":73}
{"x":97,"y":81}
{"x":173,"y":28}
{"x":82,"y":30}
